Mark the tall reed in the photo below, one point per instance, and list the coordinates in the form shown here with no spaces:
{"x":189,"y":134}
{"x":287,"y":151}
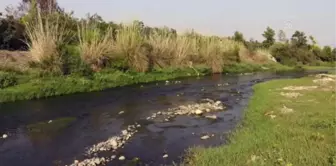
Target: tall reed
{"x":46,"y":35}
{"x":130,"y":42}
{"x":94,"y":45}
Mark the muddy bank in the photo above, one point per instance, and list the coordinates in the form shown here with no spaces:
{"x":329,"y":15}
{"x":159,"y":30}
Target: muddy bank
{"x":111,"y":116}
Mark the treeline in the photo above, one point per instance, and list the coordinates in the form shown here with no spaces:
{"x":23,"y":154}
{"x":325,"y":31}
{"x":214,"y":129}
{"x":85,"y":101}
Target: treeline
{"x":60,"y":43}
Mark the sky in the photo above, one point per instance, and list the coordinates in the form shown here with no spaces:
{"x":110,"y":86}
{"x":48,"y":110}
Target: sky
{"x":217,"y":17}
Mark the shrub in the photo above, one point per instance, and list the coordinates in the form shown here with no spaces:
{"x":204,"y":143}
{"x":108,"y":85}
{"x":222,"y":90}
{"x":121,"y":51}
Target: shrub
{"x":131,"y":43}
{"x":94,"y":45}
{"x":45,"y":36}
{"x":7,"y":80}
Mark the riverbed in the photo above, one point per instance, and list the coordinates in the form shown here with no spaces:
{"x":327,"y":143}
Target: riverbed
{"x":95,"y":117}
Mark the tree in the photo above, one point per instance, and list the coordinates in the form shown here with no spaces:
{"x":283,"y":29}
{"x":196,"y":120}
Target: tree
{"x":282,"y":36}
{"x":238,"y":37}
{"x":299,"y":39}
{"x":269,"y":37}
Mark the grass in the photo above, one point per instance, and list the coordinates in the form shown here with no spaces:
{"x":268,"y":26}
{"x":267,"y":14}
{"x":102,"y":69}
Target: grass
{"x":45,"y":35}
{"x":305,"y":136}
{"x":94,"y":45}
{"x":36,"y":87}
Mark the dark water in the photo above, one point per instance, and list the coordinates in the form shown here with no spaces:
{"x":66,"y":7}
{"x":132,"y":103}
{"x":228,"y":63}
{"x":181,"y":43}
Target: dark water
{"x":97,"y":119}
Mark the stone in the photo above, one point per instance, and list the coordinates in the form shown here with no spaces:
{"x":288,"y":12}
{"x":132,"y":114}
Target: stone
{"x":198,"y":112}
{"x":49,"y":121}
{"x":97,"y":161}
{"x":211,"y":116}
{"x":138,"y":125}
{"x":205,"y":137}
{"x":218,"y":102}
{"x":114,"y":143}
{"x":207,"y":110}
{"x":121,"y":112}
{"x":113,"y":157}
{"x":165,"y":156}
{"x":76,"y":161}
{"x":4,"y":136}
{"x":122,"y":158}
{"x":124,"y":132}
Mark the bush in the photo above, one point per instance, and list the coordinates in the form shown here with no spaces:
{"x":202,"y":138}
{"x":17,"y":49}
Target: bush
{"x":7,"y":80}
{"x":12,"y":34}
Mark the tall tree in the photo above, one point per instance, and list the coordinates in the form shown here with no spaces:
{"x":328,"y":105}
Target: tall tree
{"x":269,"y":37}
{"x":282,"y":36}
{"x":238,"y":36}
{"x":299,"y":39}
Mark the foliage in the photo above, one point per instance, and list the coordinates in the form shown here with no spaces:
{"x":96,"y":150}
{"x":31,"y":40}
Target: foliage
{"x":299,"y":39}
{"x":7,"y":79}
{"x":12,"y":34}
{"x":269,"y":37}
{"x":238,"y":36}
{"x":94,"y":45}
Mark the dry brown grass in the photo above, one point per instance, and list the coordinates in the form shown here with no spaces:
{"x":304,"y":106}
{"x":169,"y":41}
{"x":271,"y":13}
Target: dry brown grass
{"x":131,"y":43}
{"x":94,"y":45}
{"x":44,"y":36}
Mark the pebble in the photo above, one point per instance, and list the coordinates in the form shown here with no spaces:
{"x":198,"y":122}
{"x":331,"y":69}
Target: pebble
{"x":165,"y":156}
{"x":124,"y":132}
{"x":113,"y":157}
{"x":4,"y":136}
{"x":76,"y":161}
{"x":138,"y":125}
{"x":121,"y":112}
{"x":205,"y":137}
{"x":211,"y":116}
{"x":122,"y":158}
{"x":49,"y":121}
{"x":198,"y":112}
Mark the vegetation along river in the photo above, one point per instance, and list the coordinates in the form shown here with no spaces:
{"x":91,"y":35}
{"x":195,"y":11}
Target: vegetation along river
{"x":146,"y":124}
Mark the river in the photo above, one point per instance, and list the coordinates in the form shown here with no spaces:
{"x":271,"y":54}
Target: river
{"x":97,"y":118}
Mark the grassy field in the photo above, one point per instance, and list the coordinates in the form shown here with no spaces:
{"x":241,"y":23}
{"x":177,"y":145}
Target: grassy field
{"x":16,"y":86}
{"x":288,"y":122}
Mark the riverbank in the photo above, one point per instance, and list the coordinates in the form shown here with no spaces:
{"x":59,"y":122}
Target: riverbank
{"x":29,"y":86}
{"x":288,"y":122}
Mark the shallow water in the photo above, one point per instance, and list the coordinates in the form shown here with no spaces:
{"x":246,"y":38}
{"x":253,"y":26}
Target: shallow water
{"x":97,"y":119}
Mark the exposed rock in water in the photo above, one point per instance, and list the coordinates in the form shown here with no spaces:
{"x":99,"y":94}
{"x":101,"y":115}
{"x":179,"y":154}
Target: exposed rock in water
{"x":165,"y":156}
{"x":198,"y":112}
{"x":122,"y":158}
{"x":4,"y":136}
{"x":211,"y":116}
{"x":205,"y":137}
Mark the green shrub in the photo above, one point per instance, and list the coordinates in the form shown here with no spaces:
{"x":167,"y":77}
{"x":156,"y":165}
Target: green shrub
{"x":7,"y":79}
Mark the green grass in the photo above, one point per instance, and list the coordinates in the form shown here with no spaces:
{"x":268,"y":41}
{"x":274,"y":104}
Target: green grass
{"x":305,"y":136}
{"x":32,"y":87}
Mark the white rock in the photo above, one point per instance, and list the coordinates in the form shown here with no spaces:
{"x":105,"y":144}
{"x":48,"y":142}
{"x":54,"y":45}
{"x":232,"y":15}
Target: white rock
{"x":138,"y":125}
{"x":205,"y":137}
{"x":49,"y":121}
{"x":165,"y":156}
{"x":76,"y":161}
{"x":124,"y":132}
{"x":211,"y":116}
{"x":96,"y":161}
{"x":113,"y":157}
{"x":4,"y":136}
{"x":207,"y":110}
{"x":218,"y":102}
{"x":122,"y":158}
{"x":113,"y":143}
{"x":121,"y":112}
{"x":198,"y":112}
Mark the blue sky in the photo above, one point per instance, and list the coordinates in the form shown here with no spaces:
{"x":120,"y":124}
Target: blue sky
{"x":217,"y":17}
